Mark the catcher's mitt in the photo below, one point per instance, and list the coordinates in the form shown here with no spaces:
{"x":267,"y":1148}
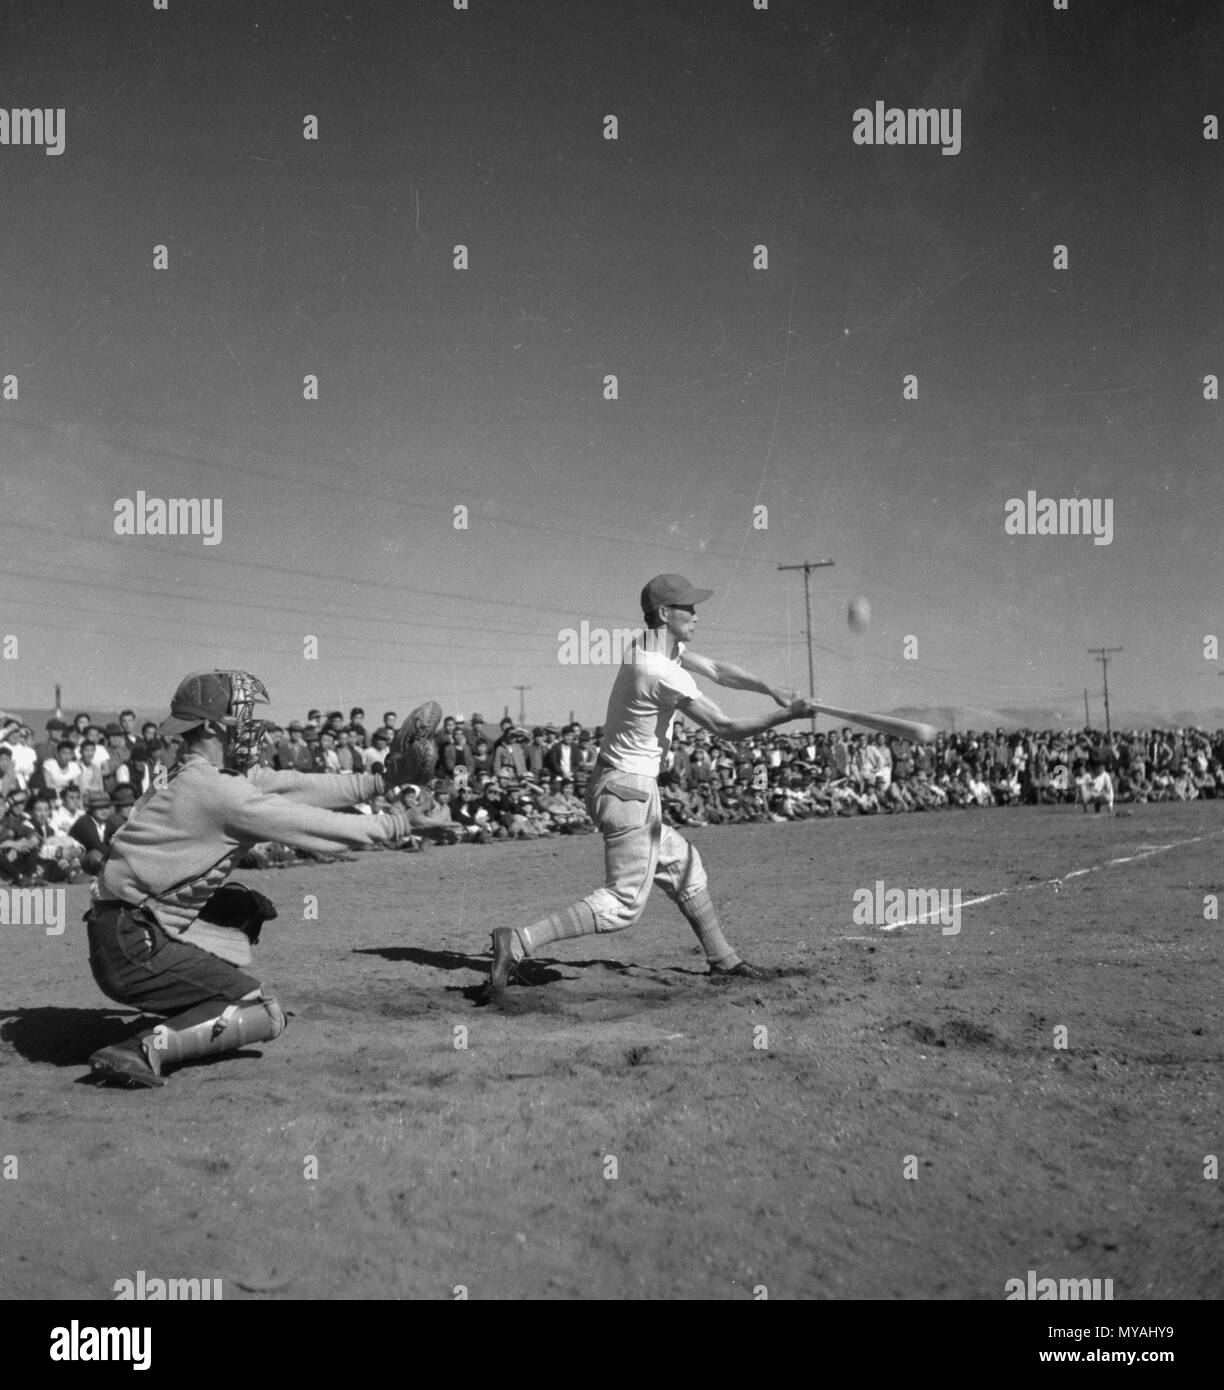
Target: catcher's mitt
{"x":413,"y":755}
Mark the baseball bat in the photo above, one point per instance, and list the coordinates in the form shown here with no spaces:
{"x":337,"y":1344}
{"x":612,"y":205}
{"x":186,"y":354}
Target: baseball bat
{"x":882,"y":723}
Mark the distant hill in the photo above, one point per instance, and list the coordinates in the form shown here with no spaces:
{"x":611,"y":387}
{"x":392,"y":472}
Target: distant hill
{"x":1011,"y":718}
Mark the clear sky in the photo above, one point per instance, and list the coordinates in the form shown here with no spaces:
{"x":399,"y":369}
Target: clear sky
{"x":483,"y":388}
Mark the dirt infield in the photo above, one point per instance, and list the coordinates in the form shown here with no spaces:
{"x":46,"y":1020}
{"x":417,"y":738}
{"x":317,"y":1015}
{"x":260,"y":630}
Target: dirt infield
{"x":742,"y":1159}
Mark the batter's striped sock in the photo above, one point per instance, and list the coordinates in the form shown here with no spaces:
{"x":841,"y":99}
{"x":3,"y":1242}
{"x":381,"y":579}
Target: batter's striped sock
{"x":578,"y":920}
{"x":703,"y":918}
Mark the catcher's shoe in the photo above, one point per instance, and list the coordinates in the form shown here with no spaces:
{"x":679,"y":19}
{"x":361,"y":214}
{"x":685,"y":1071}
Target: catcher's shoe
{"x":413,"y":753}
{"x":503,"y":960}
{"x":745,"y":970}
{"x":124,"y":1066}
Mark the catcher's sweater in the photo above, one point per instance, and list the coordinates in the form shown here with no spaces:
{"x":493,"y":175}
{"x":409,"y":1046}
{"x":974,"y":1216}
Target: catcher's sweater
{"x":177,"y":847}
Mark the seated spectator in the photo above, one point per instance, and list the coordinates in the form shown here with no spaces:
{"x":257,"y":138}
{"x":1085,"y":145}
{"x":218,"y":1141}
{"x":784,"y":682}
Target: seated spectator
{"x":123,"y":802}
{"x":292,"y":751}
{"x":89,"y":831}
{"x":59,"y":856}
{"x":1095,"y":786}
{"x":10,"y":779}
{"x":68,"y":812}
{"x":20,"y":843}
{"x":59,"y":772}
{"x":470,"y":816}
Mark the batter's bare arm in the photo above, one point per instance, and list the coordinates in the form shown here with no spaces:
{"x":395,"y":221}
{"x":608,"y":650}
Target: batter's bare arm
{"x":734,"y":677}
{"x":705,"y":712}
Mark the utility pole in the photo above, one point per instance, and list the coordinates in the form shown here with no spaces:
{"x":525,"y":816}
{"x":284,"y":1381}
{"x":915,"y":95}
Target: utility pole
{"x":522,"y":707}
{"x":1087,"y":716}
{"x":807,"y":567}
{"x":1103,"y":654}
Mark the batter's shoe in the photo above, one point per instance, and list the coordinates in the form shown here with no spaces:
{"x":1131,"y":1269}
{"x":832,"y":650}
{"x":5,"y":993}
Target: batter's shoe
{"x":503,"y":960}
{"x":745,"y":970}
{"x":124,"y":1066}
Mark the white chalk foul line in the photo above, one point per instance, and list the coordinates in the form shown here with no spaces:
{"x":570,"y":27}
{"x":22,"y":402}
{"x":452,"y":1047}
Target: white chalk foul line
{"x":1056,"y":883}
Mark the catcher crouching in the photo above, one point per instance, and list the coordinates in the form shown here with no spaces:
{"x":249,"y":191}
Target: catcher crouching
{"x":167,"y":934}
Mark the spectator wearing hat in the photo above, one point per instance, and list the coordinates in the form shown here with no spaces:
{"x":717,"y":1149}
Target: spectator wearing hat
{"x":89,"y":831}
{"x":293,"y":752}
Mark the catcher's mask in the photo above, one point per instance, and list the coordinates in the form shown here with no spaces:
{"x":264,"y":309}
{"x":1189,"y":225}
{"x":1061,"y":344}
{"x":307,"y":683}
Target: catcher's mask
{"x":227,"y":698}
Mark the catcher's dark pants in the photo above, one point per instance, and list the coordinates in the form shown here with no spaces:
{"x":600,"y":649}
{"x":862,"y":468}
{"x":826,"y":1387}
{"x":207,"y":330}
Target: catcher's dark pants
{"x":135,"y":962}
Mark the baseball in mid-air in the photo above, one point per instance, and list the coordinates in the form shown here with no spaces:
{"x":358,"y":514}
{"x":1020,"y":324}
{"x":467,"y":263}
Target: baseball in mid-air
{"x":859,"y":614}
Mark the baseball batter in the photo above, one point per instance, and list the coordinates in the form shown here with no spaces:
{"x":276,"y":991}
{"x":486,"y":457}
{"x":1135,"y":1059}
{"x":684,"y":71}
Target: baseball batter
{"x":166,"y":933}
{"x":655,"y":682}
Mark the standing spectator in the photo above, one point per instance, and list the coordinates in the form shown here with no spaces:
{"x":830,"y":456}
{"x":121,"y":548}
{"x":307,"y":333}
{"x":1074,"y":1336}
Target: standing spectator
{"x":457,"y":754}
{"x":587,"y":753}
{"x":127,"y":725}
{"x":536,"y":753}
{"x":509,"y":755}
{"x":561,"y":759}
{"x":25,"y":761}
{"x":506,"y":734}
{"x":357,"y":725}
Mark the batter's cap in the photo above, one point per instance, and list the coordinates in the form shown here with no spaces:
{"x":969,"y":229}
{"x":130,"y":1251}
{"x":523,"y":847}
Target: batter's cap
{"x":202,"y":697}
{"x":671,"y":589}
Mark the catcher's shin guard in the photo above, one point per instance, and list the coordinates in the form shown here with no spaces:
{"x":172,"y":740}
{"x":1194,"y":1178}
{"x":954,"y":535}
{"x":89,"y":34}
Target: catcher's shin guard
{"x":256,"y":1017}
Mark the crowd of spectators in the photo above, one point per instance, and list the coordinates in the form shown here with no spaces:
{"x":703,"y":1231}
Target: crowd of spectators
{"x":62,"y":799}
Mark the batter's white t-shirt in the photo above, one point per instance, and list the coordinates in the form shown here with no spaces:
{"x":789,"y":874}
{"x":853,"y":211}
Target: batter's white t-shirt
{"x":642,"y":709}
